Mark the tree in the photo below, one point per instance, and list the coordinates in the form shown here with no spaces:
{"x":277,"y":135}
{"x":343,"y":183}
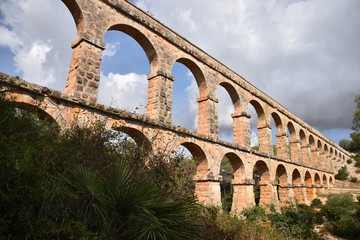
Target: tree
{"x":354,"y":144}
{"x":356,"y":119}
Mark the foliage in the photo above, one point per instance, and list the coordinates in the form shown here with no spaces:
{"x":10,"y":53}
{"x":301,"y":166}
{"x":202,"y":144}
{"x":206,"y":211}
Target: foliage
{"x":298,"y":222}
{"x":219,"y":226}
{"x":353,"y":179}
{"x":354,"y":144}
{"x":43,"y":196}
{"x":342,"y":173}
{"x":357,"y":160}
{"x":127,"y":207}
{"x":356,"y":119}
{"x":343,"y":215}
{"x":348,"y":161}
{"x":316,"y":203}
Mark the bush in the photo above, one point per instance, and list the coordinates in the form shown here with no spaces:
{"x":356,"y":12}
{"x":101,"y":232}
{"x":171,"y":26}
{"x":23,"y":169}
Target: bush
{"x":43,"y":197}
{"x":348,"y":161}
{"x":353,"y":179}
{"x":298,"y":222}
{"x":343,"y":216}
{"x":342,"y":174}
{"x":316,"y":203}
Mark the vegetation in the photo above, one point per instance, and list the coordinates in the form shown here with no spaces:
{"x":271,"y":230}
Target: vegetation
{"x":89,"y":183}
{"x":342,"y":174}
{"x":343,"y":216}
{"x":353,"y":145}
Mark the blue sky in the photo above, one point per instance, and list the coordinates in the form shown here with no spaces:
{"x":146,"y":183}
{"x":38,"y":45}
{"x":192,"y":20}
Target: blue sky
{"x":304,"y":54}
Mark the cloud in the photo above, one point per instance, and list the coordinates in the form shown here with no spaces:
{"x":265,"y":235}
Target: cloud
{"x":31,"y":63}
{"x":304,"y":54}
{"x":254,"y":140}
{"x":40,"y":43}
{"x":111,"y":49}
{"x":127,"y":92}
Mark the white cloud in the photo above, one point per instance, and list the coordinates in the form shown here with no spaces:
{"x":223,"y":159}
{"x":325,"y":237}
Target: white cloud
{"x":40,"y":42}
{"x":31,"y":63}
{"x":127,"y":92}
{"x":9,"y":39}
{"x":254,"y":140}
{"x":111,"y":49}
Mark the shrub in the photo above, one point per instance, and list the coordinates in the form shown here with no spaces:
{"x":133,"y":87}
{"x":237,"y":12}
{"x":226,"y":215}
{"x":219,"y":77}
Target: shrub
{"x":348,"y":161}
{"x":342,"y":174}
{"x":353,"y":179}
{"x":343,"y":215}
{"x":298,"y":222}
{"x":316,"y":203}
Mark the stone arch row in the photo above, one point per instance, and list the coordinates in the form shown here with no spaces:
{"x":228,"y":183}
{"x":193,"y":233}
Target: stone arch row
{"x":279,"y":181}
{"x":304,"y":147}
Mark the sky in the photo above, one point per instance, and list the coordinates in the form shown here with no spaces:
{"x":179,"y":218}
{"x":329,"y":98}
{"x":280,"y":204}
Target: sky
{"x":305,"y":54}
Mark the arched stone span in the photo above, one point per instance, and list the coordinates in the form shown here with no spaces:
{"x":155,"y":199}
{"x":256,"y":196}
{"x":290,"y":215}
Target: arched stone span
{"x":325,"y":182}
{"x":282,"y":185}
{"x":305,"y":148}
{"x":240,"y":190}
{"x":294,"y":143}
{"x":297,"y":186}
{"x":138,"y":136}
{"x":77,"y":14}
{"x":317,"y":183}
{"x":310,"y":190}
{"x":143,"y":41}
{"x":207,"y":188}
{"x":265,"y":186}
{"x":264,"y":129}
{"x":235,"y":99}
{"x":314,"y":152}
{"x":206,"y":103}
{"x":281,"y":141}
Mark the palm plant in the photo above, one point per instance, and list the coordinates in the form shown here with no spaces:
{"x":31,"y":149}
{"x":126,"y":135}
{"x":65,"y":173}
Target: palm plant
{"x":129,"y":207}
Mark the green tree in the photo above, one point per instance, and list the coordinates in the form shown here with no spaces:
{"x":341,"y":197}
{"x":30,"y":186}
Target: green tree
{"x":343,"y":215}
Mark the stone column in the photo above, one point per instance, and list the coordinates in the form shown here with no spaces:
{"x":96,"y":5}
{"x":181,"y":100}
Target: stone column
{"x":207,"y":116}
{"x":159,"y":99}
{"x":322,"y":160}
{"x":241,"y":126}
{"x":84,"y":71}
{"x":267,"y":195}
{"x":284,"y":194}
{"x":315,"y":158}
{"x":281,"y":146}
{"x":299,"y":193}
{"x":295,"y":151}
{"x":306,"y":155}
{"x":265,"y":144}
{"x":243,"y":195}
{"x":310,"y":193}
{"x":207,"y":190}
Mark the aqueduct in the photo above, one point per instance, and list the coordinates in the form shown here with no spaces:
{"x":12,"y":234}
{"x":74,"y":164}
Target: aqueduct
{"x":302,"y":168}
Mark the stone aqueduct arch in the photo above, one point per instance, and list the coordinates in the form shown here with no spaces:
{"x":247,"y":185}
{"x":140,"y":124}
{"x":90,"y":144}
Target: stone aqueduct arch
{"x":302,"y":168}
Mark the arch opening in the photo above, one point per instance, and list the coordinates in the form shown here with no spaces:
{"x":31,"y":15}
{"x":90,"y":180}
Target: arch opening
{"x":276,"y":135}
{"x":225,"y":109}
{"x":189,"y":84}
{"x":281,"y":179}
{"x":232,"y":171}
{"x":262,"y":188}
{"x":126,"y":61}
{"x":296,"y":181}
{"x":310,"y":195}
{"x":257,"y":121}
